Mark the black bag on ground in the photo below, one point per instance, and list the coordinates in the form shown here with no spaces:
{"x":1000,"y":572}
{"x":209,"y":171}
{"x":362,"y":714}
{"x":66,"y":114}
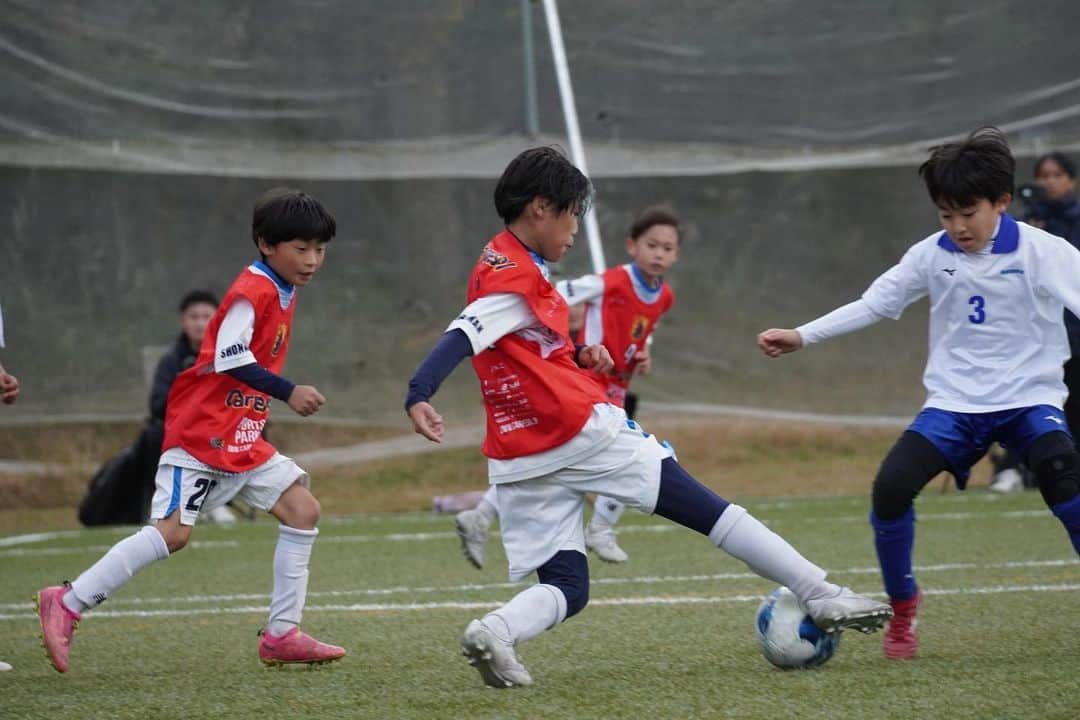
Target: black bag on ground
{"x":121,"y":490}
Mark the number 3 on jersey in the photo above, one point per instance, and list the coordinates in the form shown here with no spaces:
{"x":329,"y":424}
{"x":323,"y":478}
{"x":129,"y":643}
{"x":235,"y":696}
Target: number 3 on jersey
{"x":978,"y":305}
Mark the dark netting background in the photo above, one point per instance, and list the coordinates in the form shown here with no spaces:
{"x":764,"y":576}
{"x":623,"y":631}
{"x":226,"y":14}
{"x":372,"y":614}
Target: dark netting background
{"x":134,"y":138}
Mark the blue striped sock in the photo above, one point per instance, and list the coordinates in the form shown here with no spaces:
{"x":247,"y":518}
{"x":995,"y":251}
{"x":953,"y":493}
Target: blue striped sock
{"x":894,"y":541}
{"x":1068,"y":513}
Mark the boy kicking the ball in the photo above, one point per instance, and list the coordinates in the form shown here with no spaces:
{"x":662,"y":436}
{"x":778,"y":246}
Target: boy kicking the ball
{"x":214,"y":449}
{"x":553,"y":436}
{"x":997,"y":291}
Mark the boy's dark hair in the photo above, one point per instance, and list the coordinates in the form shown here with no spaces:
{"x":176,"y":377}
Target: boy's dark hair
{"x":198,"y":296}
{"x":541,"y":172}
{"x":959,"y":174}
{"x":653,"y":215}
{"x":284,"y":214}
{"x":1061,"y":159}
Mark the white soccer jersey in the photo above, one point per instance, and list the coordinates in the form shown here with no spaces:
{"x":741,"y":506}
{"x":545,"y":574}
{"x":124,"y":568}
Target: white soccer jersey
{"x":997,"y":337}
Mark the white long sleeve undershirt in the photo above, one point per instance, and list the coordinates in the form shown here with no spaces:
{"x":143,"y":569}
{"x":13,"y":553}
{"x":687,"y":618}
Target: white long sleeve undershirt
{"x":847,"y":318}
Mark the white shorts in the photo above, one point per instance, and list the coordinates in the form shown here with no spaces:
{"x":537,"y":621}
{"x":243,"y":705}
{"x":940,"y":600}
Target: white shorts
{"x":191,"y":490}
{"x":540,"y":516}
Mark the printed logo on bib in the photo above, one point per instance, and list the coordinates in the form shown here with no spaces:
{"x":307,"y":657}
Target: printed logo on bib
{"x":497,"y":261}
{"x":279,"y":339}
{"x":637,"y":329}
{"x":237,"y":399}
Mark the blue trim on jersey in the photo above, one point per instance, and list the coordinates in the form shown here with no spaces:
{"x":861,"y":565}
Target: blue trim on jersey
{"x":282,"y":285}
{"x":174,"y":501}
{"x":285,"y":290}
{"x":1006,"y":240}
{"x":963,"y":438}
{"x":643,"y":284}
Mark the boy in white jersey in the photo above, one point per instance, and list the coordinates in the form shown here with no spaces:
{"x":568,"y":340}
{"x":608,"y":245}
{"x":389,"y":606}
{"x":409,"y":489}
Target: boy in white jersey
{"x":621,"y":309}
{"x":997,"y":344}
{"x":552,"y":436}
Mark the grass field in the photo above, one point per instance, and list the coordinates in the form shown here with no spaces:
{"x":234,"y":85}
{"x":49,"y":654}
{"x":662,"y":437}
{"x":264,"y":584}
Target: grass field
{"x":668,"y":635}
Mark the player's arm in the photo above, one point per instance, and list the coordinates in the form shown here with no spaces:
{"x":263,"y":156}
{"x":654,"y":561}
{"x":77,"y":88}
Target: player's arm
{"x":581,"y":290}
{"x":9,"y":387}
{"x":1058,"y":271}
{"x":887,"y":296}
{"x":476,"y":328}
{"x":233,"y":356}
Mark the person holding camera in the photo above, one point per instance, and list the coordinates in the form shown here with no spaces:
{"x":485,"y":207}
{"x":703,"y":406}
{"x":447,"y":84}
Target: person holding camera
{"x":1049,"y":203}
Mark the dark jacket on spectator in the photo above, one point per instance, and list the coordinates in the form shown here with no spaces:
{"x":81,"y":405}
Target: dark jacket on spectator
{"x":1062,"y":218}
{"x":179,"y":358}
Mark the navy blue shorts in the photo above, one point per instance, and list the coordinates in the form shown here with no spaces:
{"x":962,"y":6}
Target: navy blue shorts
{"x":963,"y":438}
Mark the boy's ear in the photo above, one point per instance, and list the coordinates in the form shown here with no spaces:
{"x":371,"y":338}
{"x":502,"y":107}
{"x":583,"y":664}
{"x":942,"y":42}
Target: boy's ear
{"x":264,"y":247}
{"x":631,"y":245}
{"x":1002,"y":203}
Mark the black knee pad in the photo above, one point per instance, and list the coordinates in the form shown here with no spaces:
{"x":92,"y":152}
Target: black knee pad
{"x":1056,"y":464}
{"x":912,"y":462}
{"x":568,"y":570}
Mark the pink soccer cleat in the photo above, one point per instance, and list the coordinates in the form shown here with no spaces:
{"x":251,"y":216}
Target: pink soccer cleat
{"x":296,"y":648}
{"x":58,"y":624}
{"x":901,"y":639}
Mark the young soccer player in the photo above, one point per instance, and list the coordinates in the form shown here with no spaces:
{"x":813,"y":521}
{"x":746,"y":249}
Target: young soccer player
{"x":214,"y":449}
{"x":997,"y":344}
{"x":553,"y":436}
{"x":622,"y":306}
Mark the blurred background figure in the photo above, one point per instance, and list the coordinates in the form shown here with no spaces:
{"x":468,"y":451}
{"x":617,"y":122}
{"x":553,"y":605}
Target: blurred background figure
{"x":120,"y":491}
{"x":1051,"y":204}
{"x":9,"y":384}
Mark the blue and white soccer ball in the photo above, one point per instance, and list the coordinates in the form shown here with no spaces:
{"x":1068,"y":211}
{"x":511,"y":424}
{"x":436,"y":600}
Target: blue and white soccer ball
{"x":788,"y":637}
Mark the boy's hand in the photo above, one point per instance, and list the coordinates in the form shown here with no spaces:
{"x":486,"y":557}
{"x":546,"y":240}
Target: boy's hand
{"x":643,"y":360}
{"x":774,"y":342}
{"x":596,"y":358}
{"x":306,"y":400}
{"x":426,"y":421}
{"x":9,"y":388}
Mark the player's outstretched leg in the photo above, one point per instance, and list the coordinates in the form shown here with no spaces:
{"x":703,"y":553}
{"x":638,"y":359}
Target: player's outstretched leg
{"x":489,"y":643}
{"x":600,"y":533}
{"x":281,"y":642}
{"x":731,"y":528}
{"x":911,"y":463}
{"x":59,"y":607}
{"x":472,"y":527}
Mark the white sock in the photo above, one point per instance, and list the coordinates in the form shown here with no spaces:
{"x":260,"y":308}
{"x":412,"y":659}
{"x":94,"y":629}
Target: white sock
{"x":740,"y":534}
{"x":606,"y":512}
{"x":291,"y":558}
{"x":489,"y":505}
{"x":529,"y":613}
{"x":115,"y":568}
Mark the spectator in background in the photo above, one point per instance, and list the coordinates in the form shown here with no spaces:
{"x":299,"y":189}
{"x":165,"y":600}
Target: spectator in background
{"x":121,"y":490}
{"x":1051,"y":204}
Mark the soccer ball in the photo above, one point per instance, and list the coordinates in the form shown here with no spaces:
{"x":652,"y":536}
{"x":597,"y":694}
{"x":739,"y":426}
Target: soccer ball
{"x":788,"y":637}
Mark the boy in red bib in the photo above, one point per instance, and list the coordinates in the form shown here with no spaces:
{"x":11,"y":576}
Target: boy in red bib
{"x":622,"y":306}
{"x":214,"y":449}
{"x":552,"y":436}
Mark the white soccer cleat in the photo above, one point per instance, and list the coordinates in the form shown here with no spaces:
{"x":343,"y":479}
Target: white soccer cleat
{"x":495,"y":659}
{"x":220,"y":515}
{"x":847,"y":609}
{"x":604,"y":543}
{"x":472,"y":528}
{"x":1007,"y":481}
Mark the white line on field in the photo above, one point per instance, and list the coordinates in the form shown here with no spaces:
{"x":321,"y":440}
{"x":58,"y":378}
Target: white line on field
{"x":641,"y":579}
{"x":35,"y":552}
{"x":441,"y":535}
{"x":471,"y":605}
